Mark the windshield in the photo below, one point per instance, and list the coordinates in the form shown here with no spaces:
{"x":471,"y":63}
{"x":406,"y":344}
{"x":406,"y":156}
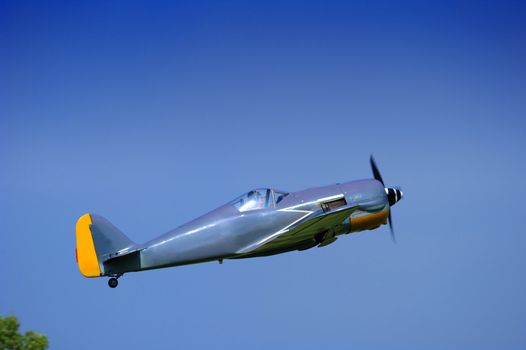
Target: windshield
{"x":255,"y":199}
{"x":260,"y":198}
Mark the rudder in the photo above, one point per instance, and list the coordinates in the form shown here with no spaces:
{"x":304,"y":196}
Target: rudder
{"x":97,"y":238}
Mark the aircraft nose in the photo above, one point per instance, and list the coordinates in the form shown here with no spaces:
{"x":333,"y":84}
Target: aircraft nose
{"x":393,"y":195}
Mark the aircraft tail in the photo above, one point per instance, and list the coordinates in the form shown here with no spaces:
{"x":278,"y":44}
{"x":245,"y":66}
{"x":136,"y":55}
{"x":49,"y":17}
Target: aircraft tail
{"x":97,"y":241}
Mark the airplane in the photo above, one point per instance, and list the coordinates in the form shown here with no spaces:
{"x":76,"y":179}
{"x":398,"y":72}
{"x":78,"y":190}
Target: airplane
{"x":261,"y":222}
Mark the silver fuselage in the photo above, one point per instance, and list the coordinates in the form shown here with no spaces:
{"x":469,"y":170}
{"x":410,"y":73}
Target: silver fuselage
{"x":226,"y":232}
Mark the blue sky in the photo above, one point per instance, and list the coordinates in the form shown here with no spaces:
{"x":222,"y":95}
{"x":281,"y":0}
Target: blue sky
{"x":152,"y":113}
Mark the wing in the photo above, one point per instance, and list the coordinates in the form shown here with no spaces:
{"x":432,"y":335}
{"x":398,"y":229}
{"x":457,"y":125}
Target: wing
{"x":312,"y":224}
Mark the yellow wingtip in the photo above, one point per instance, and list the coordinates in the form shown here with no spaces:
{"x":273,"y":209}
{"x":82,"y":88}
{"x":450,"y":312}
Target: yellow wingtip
{"x":86,"y":253}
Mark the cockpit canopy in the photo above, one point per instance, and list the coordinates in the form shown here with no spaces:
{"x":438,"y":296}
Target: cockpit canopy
{"x":260,"y":198}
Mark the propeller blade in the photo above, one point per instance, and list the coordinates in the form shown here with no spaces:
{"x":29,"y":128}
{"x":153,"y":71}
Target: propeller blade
{"x":391,"y":227}
{"x":376,"y":172}
{"x":391,"y":193}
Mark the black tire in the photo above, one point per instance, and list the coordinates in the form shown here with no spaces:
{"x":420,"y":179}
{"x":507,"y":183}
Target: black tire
{"x":112,"y":282}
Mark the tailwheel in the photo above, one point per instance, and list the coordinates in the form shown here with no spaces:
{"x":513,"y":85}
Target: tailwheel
{"x":113,"y":282}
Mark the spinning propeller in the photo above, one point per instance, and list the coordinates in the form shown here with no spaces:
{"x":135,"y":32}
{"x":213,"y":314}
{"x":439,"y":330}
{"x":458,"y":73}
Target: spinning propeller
{"x":393,"y":194}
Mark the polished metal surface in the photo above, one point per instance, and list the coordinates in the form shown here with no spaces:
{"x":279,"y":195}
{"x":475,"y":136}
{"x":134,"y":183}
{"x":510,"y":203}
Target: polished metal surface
{"x":260,"y":222}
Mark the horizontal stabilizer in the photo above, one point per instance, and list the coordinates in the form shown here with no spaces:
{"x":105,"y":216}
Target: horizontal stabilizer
{"x":123,"y":262}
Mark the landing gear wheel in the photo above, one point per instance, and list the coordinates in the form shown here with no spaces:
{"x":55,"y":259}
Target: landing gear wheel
{"x":112,"y":282}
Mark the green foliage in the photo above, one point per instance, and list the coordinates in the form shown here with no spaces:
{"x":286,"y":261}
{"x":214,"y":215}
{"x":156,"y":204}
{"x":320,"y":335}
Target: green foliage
{"x":10,"y":339}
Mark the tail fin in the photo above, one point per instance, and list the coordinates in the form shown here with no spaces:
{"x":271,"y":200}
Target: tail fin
{"x":97,"y":240}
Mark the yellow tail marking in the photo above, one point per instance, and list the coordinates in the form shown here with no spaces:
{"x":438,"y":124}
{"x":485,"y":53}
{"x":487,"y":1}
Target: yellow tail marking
{"x":86,"y":254}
